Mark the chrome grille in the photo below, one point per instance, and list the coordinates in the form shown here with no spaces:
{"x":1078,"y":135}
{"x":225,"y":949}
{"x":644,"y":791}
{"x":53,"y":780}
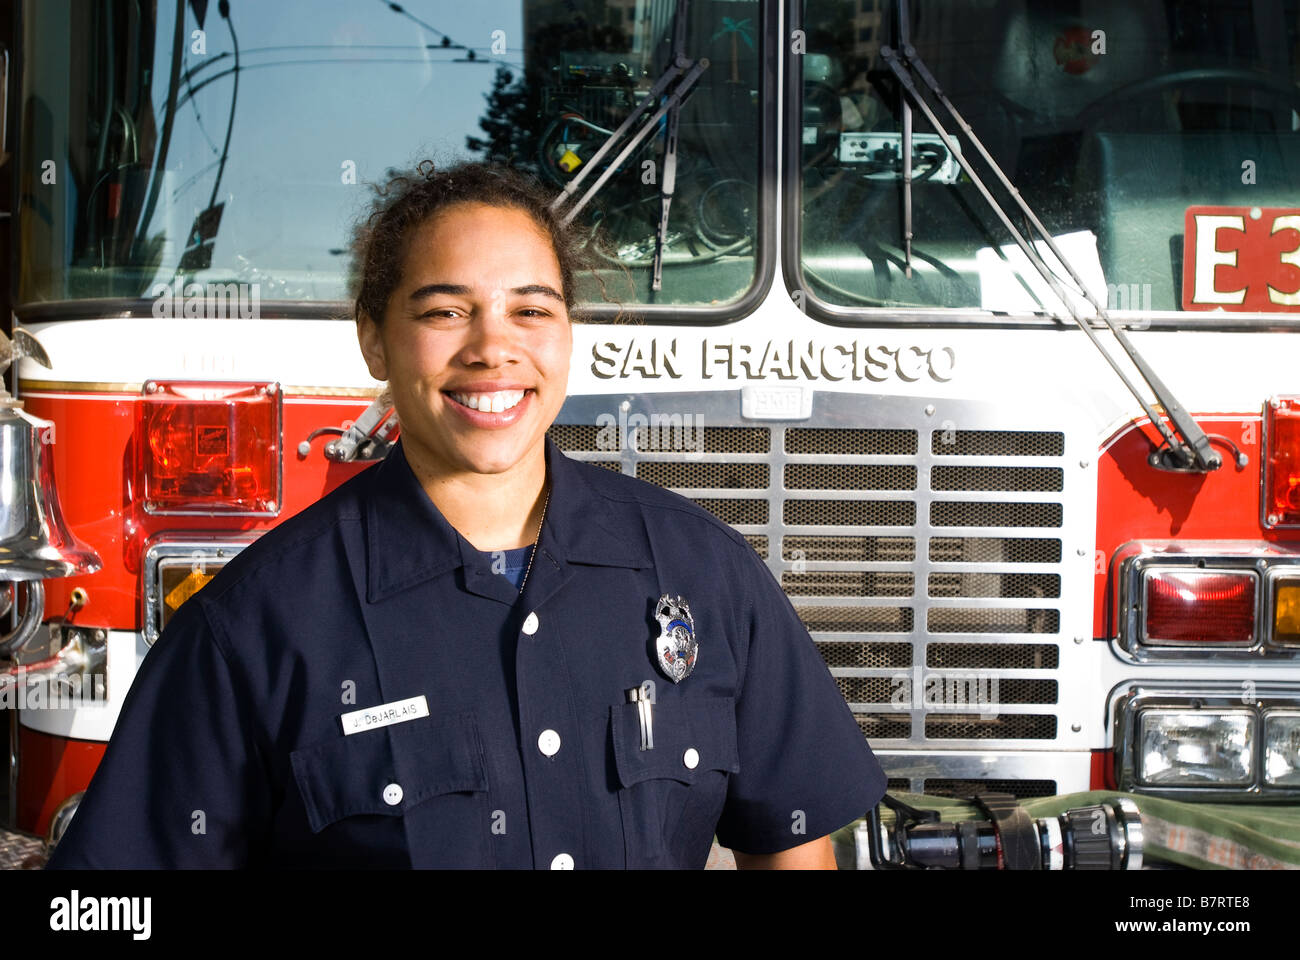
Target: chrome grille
{"x":897,"y":549}
{"x":1002,"y":656}
{"x":1004,"y":726}
{"x":997,"y":443}
{"x":735,"y":512}
{"x":832,"y":584}
{"x":849,"y":476}
{"x":738,"y":476}
{"x":996,"y":478}
{"x":849,"y":654}
{"x":838,"y":442}
{"x":912,"y":550}
{"x":992,"y":620}
{"x":1021,"y":789}
{"x":978,"y":514}
{"x":991,"y":550}
{"x":849,"y":513}
{"x":995,"y":585}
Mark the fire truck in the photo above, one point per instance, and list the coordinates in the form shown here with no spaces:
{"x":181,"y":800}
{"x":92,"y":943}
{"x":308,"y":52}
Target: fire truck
{"x":978,"y":319}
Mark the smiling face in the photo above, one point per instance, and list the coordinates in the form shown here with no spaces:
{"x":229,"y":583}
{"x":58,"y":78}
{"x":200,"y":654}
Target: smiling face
{"x":475,"y":342}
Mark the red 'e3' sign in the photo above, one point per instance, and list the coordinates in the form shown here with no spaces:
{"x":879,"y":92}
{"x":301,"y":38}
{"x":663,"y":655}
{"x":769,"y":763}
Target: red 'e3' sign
{"x":1241,"y":258}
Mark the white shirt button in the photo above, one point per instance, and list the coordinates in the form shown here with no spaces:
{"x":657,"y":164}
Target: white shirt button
{"x":549,"y":742}
{"x":691,"y":758}
{"x":392,"y":794}
{"x":562,"y":861}
{"x":530,"y":624}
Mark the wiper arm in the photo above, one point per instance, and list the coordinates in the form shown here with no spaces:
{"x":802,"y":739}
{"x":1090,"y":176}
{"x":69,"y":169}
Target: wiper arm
{"x":1190,"y":455}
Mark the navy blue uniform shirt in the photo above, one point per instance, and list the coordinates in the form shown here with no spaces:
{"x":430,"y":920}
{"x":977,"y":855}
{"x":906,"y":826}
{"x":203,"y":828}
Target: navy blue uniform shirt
{"x":230,"y":749}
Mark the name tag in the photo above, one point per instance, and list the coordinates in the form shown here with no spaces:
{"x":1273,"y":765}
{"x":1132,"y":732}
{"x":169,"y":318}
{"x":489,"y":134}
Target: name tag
{"x":372,"y":718}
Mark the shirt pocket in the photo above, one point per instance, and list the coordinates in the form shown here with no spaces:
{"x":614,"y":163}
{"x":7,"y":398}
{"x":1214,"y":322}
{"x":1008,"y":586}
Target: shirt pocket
{"x":672,"y":795}
{"x":394,"y":772}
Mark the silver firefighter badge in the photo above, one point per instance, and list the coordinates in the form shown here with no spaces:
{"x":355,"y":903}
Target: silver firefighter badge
{"x":676,"y":647}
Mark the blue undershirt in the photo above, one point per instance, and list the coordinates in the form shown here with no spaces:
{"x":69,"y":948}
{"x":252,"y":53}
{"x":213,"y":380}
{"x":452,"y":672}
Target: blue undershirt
{"x":511,"y":564}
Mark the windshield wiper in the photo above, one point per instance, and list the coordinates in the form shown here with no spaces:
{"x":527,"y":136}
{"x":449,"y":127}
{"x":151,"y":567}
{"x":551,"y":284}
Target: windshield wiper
{"x":1190,"y":455}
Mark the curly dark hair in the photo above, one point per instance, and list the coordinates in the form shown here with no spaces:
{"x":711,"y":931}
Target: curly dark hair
{"x":410,"y":198}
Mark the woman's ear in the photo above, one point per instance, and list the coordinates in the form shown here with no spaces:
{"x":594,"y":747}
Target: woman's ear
{"x":372,"y":346}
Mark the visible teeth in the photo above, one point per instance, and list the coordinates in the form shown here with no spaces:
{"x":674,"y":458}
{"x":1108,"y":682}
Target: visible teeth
{"x":497,"y":402}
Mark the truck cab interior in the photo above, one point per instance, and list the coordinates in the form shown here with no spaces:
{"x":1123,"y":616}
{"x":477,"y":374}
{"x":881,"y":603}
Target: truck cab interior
{"x":1110,"y":117}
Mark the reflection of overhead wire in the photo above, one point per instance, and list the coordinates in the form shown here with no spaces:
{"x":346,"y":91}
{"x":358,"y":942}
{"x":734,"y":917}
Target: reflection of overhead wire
{"x":189,"y":181}
{"x":447,"y":42}
{"x":251,"y":51}
{"x":234,"y":95}
{"x":198,"y":118}
{"x":398,"y":8}
{"x":245,"y":68}
{"x":164,"y":139}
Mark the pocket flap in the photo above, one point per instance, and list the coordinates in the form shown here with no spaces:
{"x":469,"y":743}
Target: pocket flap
{"x":388,"y":771}
{"x":706,"y":726}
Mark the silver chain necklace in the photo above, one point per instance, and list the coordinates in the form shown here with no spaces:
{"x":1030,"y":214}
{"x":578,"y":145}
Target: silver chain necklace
{"x":537,"y":542}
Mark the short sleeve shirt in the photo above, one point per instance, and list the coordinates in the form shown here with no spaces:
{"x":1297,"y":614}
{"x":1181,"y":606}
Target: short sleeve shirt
{"x":508,"y":737}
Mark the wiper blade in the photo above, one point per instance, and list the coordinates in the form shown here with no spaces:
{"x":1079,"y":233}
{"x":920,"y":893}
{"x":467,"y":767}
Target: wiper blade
{"x":904,"y":28}
{"x":1190,"y":455}
{"x":668,"y":182}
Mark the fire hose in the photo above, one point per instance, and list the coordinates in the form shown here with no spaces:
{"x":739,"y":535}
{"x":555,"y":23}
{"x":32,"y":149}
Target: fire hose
{"x":1103,"y":836}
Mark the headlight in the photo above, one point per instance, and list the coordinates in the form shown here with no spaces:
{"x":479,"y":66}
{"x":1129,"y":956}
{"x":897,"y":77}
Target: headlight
{"x":1221,"y":740}
{"x":1194,"y":747}
{"x":1282,"y":748}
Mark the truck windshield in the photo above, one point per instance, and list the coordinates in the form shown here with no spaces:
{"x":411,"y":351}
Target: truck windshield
{"x":1158,"y":141}
{"x":181,"y":141}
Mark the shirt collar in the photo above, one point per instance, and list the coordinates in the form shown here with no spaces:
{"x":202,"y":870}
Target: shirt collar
{"x":409,"y":541}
